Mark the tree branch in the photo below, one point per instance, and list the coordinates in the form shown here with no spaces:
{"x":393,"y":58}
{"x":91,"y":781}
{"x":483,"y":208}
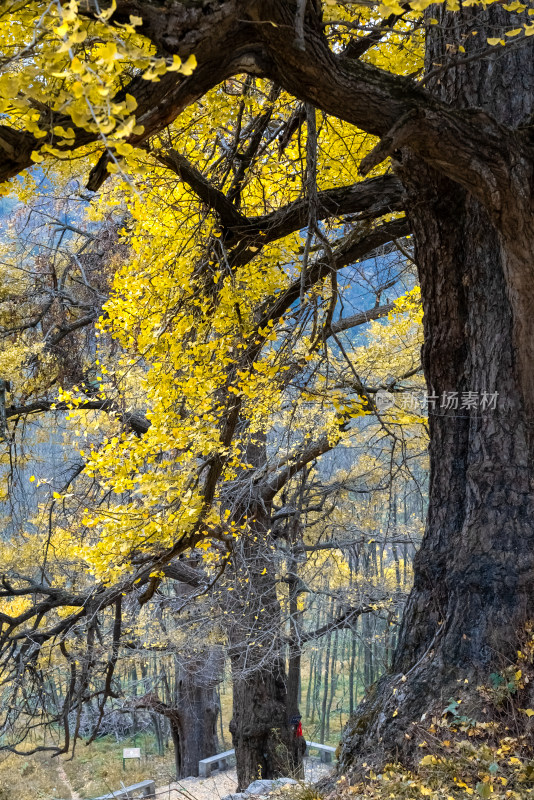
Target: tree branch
{"x":354,"y":247}
{"x":345,"y":620}
{"x":369,"y":199}
{"x":209,"y":194}
{"x":137,"y":422}
{"x":229,"y":36}
{"x":361,"y":318}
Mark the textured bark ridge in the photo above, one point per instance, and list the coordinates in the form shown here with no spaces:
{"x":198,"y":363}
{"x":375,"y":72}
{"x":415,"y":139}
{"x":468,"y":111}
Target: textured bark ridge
{"x":194,"y":723}
{"x":264,"y":741}
{"x":193,"y":714}
{"x":474,"y":573}
{"x":262,"y":733}
{"x":264,"y":696}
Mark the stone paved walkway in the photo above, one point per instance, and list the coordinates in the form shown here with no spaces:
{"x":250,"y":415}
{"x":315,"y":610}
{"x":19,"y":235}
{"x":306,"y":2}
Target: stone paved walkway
{"x":220,"y":784}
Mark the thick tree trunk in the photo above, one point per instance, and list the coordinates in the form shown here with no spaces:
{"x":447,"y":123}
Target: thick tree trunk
{"x":193,"y":725}
{"x":194,"y":709}
{"x":263,"y":737}
{"x":194,"y":729}
{"x":262,"y":734}
{"x":474,"y":574}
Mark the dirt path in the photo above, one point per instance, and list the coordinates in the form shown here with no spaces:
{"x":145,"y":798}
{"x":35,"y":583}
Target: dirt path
{"x":212,"y":788}
{"x":64,"y":778}
{"x":223,"y":783}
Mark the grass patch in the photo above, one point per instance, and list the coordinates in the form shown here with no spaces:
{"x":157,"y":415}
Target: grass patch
{"x":96,"y":769}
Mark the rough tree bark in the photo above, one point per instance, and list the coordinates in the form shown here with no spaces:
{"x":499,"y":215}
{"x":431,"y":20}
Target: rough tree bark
{"x":193,"y":713}
{"x":194,"y":718}
{"x":474,"y":573}
{"x":263,"y":737}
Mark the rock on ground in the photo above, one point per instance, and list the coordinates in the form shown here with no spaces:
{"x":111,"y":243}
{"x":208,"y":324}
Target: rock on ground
{"x":260,"y":788}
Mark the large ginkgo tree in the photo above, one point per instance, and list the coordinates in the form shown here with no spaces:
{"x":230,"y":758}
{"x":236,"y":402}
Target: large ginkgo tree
{"x":448,"y":92}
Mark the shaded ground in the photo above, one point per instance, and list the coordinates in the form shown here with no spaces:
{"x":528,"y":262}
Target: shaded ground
{"x":98,"y":769}
{"x":223,"y":783}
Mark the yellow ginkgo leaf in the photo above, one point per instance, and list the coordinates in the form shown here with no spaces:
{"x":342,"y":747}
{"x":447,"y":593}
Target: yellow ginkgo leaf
{"x":188,"y":66}
{"x":176,"y":64}
{"x":108,"y":53}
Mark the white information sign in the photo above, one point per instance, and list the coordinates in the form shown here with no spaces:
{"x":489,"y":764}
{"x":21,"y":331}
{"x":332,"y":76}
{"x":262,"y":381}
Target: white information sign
{"x":131,"y":752}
